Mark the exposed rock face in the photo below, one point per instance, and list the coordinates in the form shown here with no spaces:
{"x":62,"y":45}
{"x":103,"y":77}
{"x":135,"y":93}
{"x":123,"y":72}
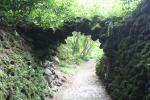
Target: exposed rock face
{"x":55,"y":80}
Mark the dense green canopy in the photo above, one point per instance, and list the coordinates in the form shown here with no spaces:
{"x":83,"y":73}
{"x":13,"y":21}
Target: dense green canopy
{"x":53,"y":13}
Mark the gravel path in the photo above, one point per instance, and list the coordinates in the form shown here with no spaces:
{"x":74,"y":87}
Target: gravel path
{"x":85,"y":85}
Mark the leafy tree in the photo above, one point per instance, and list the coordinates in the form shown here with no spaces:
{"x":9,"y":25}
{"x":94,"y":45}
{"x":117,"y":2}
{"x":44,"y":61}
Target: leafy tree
{"x":13,"y":11}
{"x":53,"y":13}
{"x":77,"y":48}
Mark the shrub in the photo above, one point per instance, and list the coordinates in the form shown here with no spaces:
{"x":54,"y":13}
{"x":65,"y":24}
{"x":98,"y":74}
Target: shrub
{"x":101,"y":67}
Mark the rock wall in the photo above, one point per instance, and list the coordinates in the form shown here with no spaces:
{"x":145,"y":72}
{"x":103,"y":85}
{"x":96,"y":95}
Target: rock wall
{"x":21,"y":76}
{"x":127,"y":50}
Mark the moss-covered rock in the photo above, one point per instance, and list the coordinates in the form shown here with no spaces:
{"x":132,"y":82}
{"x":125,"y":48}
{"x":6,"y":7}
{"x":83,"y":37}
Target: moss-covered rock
{"x":21,"y":76}
{"x":128,"y":48}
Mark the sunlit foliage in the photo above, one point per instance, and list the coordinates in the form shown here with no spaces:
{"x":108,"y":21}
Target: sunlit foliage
{"x":13,"y":11}
{"x":78,"y":48}
{"x":53,"y":13}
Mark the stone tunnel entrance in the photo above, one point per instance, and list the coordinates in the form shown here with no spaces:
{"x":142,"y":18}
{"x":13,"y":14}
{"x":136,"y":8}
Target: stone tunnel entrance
{"x":77,"y":58}
{"x":44,"y":39}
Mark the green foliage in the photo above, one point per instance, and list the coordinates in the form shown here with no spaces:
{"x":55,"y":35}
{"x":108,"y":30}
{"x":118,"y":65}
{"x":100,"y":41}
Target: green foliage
{"x":130,"y":5}
{"x":53,"y":13}
{"x":67,"y":68}
{"x":118,"y":7}
{"x":1,"y":73}
{"x":69,"y":71}
{"x":21,"y":77}
{"x":23,"y":80}
{"x":100,"y":66}
{"x":13,"y":12}
{"x":78,"y":48}
{"x":64,"y":64}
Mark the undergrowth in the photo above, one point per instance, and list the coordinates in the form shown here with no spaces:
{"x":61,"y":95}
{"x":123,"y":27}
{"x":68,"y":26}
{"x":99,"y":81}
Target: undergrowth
{"x":67,"y":68}
{"x":21,"y":77}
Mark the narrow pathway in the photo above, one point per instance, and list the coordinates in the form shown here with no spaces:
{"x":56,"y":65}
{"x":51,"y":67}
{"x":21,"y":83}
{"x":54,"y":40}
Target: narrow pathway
{"x":85,"y":85}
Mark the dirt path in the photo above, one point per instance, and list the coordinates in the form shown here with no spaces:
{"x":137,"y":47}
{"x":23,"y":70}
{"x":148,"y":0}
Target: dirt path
{"x":84,"y":86}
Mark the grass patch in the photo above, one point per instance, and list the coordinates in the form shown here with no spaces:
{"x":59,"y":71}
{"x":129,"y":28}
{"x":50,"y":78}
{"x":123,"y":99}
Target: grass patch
{"x":66,"y":68}
{"x":64,"y":64}
{"x":69,"y":71}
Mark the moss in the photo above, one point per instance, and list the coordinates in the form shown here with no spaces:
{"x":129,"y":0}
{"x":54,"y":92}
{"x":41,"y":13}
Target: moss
{"x":100,"y":67}
{"x":20,"y":79}
{"x":130,"y":58}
